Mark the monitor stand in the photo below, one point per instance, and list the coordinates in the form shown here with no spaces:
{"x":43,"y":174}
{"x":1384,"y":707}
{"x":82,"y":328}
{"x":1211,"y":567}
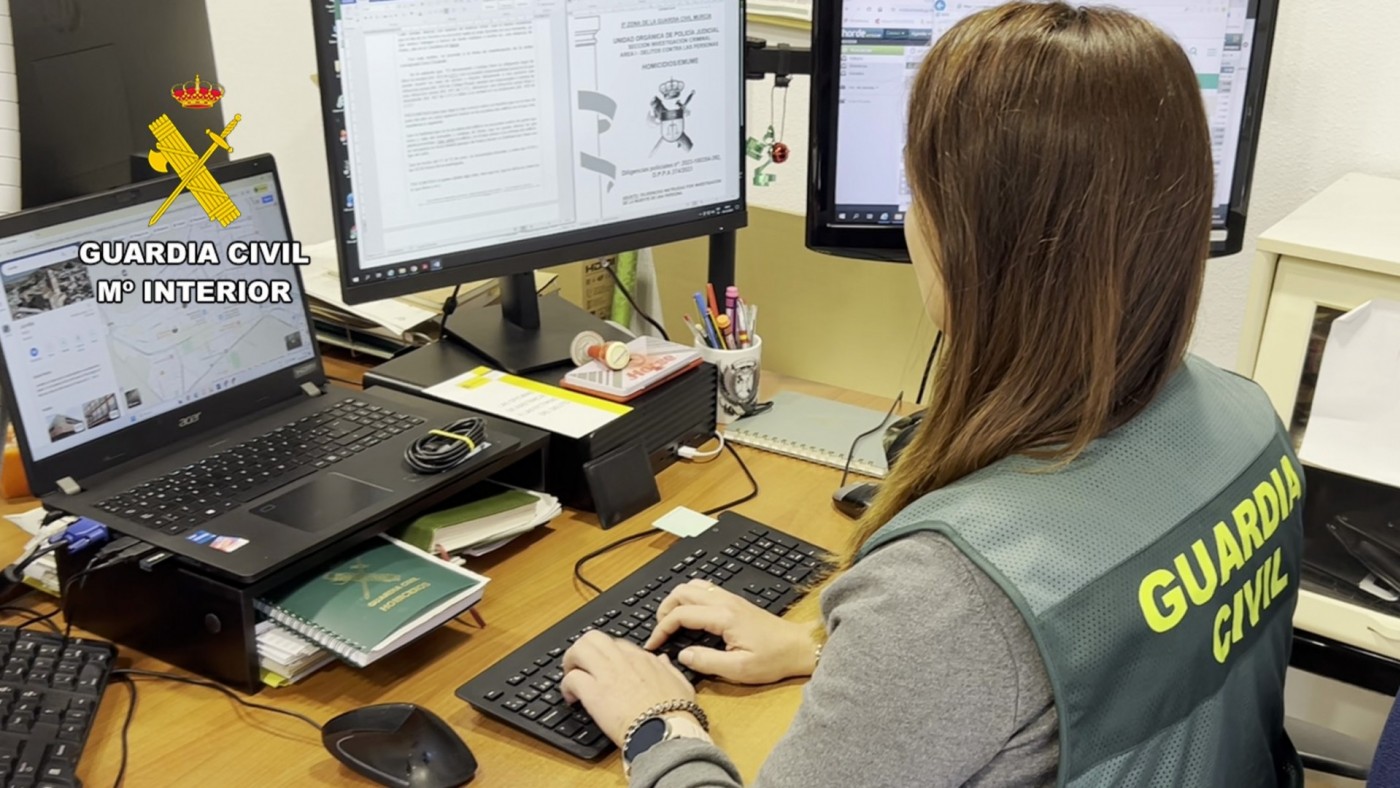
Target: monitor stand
{"x":526,"y":333}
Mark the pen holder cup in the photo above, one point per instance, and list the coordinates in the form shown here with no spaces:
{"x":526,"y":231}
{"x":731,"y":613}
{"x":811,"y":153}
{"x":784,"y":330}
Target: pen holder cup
{"x":738,"y":378}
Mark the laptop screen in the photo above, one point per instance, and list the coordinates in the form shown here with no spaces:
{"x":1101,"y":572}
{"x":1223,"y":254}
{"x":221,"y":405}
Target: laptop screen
{"x":83,"y":369}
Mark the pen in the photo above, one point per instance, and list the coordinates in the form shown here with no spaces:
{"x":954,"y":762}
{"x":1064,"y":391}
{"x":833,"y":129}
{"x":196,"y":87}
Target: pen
{"x":741,"y":330}
{"x":694,"y":329}
{"x":710,"y":291}
{"x":712,"y":340}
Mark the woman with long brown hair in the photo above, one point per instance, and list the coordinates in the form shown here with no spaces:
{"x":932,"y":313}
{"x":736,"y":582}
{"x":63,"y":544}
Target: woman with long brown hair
{"x":1083,"y":568}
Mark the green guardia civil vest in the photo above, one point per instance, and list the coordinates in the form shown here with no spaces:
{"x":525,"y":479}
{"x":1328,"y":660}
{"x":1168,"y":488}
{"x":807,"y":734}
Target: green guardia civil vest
{"x":1158,"y":574}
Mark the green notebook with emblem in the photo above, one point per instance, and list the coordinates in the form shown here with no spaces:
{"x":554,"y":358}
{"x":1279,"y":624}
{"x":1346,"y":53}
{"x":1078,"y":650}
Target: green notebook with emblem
{"x":374,"y":600}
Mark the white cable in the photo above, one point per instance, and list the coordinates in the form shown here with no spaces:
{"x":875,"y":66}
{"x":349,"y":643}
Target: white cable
{"x":692,"y":453}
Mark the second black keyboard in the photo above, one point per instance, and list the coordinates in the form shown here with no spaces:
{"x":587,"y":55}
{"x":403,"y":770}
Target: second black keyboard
{"x":49,"y":694}
{"x":763,"y":565}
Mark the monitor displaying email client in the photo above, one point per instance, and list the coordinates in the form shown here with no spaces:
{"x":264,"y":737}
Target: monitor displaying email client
{"x":115,"y":318}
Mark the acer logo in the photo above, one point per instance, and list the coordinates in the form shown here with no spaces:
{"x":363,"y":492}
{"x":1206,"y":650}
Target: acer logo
{"x":190,"y":419}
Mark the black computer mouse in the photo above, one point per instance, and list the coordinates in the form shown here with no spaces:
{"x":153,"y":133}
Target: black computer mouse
{"x":400,"y":745}
{"x":853,"y":499}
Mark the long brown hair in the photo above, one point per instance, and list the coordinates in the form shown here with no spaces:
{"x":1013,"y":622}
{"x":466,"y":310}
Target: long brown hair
{"x":1061,"y":162}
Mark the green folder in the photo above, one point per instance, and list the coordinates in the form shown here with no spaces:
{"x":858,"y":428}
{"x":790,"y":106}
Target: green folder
{"x":470,"y":523}
{"x":374,"y":600}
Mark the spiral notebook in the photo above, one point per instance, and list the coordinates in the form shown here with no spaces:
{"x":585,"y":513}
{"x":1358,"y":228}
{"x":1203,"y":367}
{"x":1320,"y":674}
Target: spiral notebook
{"x":817,"y":430}
{"x":374,"y":600}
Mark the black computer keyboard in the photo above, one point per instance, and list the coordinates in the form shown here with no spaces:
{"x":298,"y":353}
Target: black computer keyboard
{"x":184,"y":499}
{"x":761,"y":564}
{"x":49,"y":693}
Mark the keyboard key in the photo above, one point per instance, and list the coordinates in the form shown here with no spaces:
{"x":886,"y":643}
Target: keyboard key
{"x":527,"y":695}
{"x":493,"y":694}
{"x":534,"y":710}
{"x":568,"y":727}
{"x":552,"y":698}
{"x":556,"y":652}
{"x":588,"y":735}
{"x":514,"y":704}
{"x":553,"y":717}
{"x":514,"y":680}
{"x":543,"y":685}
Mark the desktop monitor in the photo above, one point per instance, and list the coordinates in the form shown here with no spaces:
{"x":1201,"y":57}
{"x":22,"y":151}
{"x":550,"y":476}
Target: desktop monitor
{"x":471,"y":139}
{"x":92,"y":75}
{"x":865,"y":55}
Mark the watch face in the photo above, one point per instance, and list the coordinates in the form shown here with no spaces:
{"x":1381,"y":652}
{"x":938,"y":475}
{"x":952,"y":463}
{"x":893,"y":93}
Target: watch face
{"x":645,"y":737}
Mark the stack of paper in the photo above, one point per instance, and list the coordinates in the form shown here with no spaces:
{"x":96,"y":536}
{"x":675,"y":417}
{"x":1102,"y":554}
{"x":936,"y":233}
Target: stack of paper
{"x":780,"y":11}
{"x":491,"y":516}
{"x":286,"y":658}
{"x":1354,"y":426}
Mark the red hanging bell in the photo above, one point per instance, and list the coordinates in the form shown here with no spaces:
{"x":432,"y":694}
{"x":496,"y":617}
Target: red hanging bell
{"x":780,"y":152}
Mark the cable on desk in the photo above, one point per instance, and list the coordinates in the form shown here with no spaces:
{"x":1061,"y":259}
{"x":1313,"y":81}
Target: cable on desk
{"x":446,"y":448}
{"x":752,"y":483}
{"x":623,"y":289}
{"x":117,"y":551}
{"x":15,"y":572}
{"x":34,"y":617}
{"x":613,"y":545}
{"x":130,"y":673}
{"x":851,"y":455}
{"x":578,"y":565}
{"x":126,"y":730}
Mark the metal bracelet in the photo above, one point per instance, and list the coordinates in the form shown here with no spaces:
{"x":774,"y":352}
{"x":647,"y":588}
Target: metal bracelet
{"x":665,"y":708}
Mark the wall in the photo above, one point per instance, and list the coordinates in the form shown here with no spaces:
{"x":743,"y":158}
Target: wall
{"x":1332,"y":108}
{"x":265,"y":58}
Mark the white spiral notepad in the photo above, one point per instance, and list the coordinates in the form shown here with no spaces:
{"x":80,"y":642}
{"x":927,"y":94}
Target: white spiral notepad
{"x":816,"y":430}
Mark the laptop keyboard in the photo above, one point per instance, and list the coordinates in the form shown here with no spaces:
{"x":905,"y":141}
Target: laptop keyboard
{"x":194,"y":494}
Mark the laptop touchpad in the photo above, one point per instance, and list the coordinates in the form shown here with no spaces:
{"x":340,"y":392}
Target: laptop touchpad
{"x":325,"y":502}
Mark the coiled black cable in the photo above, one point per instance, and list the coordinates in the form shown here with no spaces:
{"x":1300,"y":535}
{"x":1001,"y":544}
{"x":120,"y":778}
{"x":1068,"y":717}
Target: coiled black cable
{"x":445,"y":448}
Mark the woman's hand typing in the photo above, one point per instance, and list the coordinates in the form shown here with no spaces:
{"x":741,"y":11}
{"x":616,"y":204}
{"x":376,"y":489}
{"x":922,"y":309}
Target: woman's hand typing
{"x":760,"y":648}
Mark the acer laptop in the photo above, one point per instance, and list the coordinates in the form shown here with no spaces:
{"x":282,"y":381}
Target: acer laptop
{"x":204,"y":426}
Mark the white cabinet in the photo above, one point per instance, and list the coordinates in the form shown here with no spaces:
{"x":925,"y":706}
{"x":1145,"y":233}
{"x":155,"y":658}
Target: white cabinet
{"x":1336,"y":252}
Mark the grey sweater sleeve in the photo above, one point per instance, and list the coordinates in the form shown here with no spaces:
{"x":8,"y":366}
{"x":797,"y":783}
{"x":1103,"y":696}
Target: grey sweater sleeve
{"x":929,"y":677}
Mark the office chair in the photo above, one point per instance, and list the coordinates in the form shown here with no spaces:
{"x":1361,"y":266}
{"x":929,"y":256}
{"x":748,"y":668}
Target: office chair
{"x":1329,"y":752}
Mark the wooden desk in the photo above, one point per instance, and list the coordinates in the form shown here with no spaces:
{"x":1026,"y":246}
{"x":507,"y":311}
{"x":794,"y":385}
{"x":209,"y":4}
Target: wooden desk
{"x":184,"y":735}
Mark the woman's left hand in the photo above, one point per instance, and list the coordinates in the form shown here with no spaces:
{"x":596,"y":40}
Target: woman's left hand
{"x":616,"y":681}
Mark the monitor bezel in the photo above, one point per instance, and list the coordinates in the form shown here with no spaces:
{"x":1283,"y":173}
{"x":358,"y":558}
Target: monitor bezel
{"x":886,"y":242}
{"x":504,"y":259}
{"x":188,"y":421}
